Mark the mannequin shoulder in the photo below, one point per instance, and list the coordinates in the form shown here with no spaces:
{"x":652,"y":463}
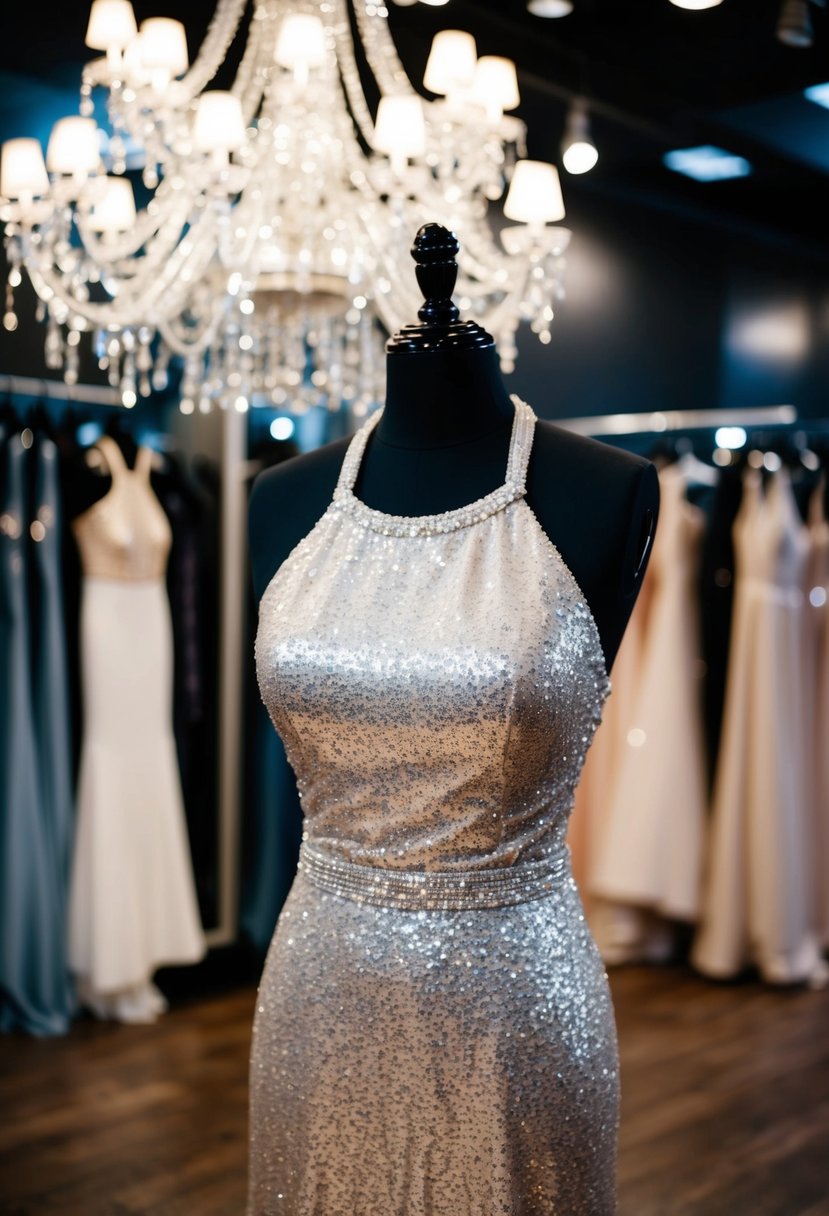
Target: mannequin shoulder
{"x":599,"y":506}
{"x":285,"y":503}
{"x":604,"y":486}
{"x":299,"y":480}
{"x":578,"y":457}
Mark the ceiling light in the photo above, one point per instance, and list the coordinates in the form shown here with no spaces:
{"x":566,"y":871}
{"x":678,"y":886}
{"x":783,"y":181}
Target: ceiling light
{"x":578,"y":152}
{"x":550,"y":8}
{"x":282,"y":428}
{"x":794,"y":27}
{"x":696,"y":4}
{"x":732,"y":437}
{"x":818,"y":93}
{"x":707,"y":163}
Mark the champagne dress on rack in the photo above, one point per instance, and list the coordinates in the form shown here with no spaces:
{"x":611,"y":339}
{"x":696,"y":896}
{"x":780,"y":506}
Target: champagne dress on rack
{"x":650,"y":856}
{"x":132,"y":901}
{"x":434,"y":1033}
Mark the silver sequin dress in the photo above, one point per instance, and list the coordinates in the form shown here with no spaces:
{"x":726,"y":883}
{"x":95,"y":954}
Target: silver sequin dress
{"x":434,"y":1034}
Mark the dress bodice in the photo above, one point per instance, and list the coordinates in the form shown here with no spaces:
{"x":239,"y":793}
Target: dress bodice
{"x":436,"y":679}
{"x":125,"y":535}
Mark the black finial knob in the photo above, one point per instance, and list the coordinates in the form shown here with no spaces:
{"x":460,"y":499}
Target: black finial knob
{"x":435,"y":251}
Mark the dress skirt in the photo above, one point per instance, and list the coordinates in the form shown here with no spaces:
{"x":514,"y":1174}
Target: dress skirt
{"x":132,"y":900}
{"x":432,"y":1062}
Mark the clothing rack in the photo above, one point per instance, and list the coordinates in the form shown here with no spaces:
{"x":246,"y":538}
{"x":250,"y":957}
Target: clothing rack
{"x":58,"y":390}
{"x":659,"y":421}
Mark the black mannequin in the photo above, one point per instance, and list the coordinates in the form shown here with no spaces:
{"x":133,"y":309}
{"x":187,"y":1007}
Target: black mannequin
{"x":442,"y":442}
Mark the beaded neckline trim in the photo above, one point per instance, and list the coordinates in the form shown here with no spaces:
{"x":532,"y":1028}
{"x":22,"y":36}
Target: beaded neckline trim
{"x":513,"y":487}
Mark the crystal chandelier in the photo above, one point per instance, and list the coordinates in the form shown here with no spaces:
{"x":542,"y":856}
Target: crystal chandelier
{"x":270,"y":249}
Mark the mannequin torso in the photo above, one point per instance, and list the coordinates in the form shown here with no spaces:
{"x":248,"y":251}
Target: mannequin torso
{"x":442,"y":442}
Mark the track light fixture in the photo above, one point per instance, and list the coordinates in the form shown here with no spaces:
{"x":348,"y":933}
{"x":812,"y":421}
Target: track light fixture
{"x":550,"y":8}
{"x":578,"y":152}
{"x":696,"y":4}
{"x":794,"y":27}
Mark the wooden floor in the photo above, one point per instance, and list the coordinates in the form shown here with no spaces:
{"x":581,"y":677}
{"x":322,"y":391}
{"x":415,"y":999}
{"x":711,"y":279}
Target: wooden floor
{"x":726,"y":1107}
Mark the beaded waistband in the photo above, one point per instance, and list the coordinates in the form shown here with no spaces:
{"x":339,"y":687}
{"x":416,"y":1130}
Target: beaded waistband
{"x":439,"y":891}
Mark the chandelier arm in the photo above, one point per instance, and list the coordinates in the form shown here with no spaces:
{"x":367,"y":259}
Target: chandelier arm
{"x":505,"y":316}
{"x":202,"y":339}
{"x":251,"y":78}
{"x":160,"y":296}
{"x":481,"y":258}
{"x":381,"y":53}
{"x":148,"y":230}
{"x":232,"y":251}
{"x":221,"y":32}
{"x":350,"y":73}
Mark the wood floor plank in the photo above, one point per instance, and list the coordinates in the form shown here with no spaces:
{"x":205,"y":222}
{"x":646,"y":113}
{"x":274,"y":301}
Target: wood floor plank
{"x":725,"y":1106}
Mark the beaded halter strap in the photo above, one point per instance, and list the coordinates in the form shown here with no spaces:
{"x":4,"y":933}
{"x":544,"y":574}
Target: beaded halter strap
{"x":514,"y":486}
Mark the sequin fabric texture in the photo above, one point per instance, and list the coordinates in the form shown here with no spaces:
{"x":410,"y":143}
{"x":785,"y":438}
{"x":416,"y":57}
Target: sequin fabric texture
{"x":434,"y":1034}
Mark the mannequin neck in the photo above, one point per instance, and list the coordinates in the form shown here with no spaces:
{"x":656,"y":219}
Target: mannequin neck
{"x":439,"y":398}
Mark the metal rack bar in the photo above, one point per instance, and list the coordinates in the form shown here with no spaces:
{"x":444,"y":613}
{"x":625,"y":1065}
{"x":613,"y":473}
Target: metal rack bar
{"x":57,"y":390}
{"x":659,"y":421}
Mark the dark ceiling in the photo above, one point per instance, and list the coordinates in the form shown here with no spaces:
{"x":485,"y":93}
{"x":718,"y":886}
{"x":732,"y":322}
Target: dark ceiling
{"x":657,"y":77}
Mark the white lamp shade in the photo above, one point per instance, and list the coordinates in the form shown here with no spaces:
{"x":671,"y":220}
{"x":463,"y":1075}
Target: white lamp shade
{"x":400,"y":130}
{"x":73,"y":146}
{"x":496,"y":82}
{"x":219,"y":126}
{"x":534,"y":195}
{"x":550,"y":8}
{"x":300,"y":42}
{"x":163,"y":46}
{"x":111,"y":25}
{"x":22,"y":171}
{"x":696,"y":4}
{"x":451,"y":62}
{"x":113,"y":207}
{"x":133,"y":66}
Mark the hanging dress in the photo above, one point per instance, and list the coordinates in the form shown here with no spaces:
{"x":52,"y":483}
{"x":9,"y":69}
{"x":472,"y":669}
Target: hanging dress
{"x":51,"y":689}
{"x":132,"y":897}
{"x":434,"y":1032}
{"x":817,"y":707}
{"x":34,"y":992}
{"x":616,"y":927}
{"x":650,"y":854}
{"x":758,"y":905}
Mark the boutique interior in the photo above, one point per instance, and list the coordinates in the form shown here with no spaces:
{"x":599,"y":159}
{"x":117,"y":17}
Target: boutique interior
{"x":201,"y":272}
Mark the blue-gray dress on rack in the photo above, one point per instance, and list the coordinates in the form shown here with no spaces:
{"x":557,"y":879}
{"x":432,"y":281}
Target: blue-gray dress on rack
{"x":33,"y":992}
{"x":50,"y":681}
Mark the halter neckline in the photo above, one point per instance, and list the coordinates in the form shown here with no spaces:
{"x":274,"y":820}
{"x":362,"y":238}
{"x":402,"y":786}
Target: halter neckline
{"x":513,"y":486}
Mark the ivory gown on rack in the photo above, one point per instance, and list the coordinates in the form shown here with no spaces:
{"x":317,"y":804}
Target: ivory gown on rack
{"x":132,"y":902}
{"x":434,"y":1034}
{"x":758,"y":905}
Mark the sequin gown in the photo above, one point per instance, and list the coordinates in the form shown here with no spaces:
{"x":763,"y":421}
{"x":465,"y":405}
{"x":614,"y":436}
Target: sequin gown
{"x":434,"y":1034}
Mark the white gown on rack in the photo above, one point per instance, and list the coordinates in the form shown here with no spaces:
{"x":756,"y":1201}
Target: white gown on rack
{"x":132,"y":903}
{"x":758,"y":903}
{"x":650,"y":853}
{"x":817,"y":683}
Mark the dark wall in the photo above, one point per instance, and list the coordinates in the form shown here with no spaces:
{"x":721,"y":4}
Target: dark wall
{"x":669,"y":312}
